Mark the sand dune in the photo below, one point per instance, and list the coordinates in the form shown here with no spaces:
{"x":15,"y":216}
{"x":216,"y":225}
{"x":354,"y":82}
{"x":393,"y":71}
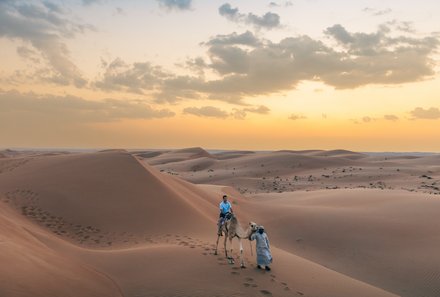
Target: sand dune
{"x":286,"y":171}
{"x":386,"y":238}
{"x":166,"y":157}
{"x":119,"y":227}
{"x":231,"y":154}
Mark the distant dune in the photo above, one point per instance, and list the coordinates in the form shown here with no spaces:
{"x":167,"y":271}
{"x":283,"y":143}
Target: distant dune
{"x":111,"y":224}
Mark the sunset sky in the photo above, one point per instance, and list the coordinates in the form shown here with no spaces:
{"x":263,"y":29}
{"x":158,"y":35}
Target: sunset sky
{"x":248,"y":74}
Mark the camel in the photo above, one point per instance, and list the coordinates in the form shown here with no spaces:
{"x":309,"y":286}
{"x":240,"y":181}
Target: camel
{"x":231,"y":229}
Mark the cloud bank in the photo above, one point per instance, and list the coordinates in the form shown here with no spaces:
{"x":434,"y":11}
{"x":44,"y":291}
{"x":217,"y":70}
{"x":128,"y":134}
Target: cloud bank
{"x":250,"y":66}
{"x":76,"y":109}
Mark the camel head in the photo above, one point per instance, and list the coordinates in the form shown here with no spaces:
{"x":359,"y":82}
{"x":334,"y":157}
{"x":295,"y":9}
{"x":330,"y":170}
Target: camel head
{"x":253,"y":226}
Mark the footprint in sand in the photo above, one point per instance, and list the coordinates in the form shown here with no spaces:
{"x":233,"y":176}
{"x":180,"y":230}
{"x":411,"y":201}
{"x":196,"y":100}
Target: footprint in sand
{"x":266,"y":292}
{"x":235,"y":273}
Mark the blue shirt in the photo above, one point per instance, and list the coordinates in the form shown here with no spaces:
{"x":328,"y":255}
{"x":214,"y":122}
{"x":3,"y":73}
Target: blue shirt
{"x":225,"y":207}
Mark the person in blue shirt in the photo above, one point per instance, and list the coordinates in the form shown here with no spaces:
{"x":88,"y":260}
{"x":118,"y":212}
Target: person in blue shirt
{"x":225,"y":208}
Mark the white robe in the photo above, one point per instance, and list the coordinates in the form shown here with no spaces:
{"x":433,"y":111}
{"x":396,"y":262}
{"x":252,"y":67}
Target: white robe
{"x":264,"y":257}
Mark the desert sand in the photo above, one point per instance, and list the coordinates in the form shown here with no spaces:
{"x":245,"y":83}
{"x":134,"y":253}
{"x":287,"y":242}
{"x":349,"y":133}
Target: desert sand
{"x":143,"y":223}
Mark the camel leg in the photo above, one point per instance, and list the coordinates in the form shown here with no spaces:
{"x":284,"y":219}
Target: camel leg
{"x":231,"y":258}
{"x":226,"y":251}
{"x":241,"y":254}
{"x":216,"y":245}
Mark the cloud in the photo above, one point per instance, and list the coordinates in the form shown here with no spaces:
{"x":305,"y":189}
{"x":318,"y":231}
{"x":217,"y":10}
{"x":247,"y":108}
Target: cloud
{"x":119,"y":11}
{"x":135,"y":78}
{"x":206,"y":111}
{"x":90,"y":2}
{"x":391,"y":117}
{"x":240,"y":114}
{"x":44,"y":26}
{"x":432,"y":113}
{"x":377,"y":12}
{"x":367,"y":119}
{"x":260,"y":109}
{"x":29,"y":54}
{"x":76,"y":109}
{"x":269,"y":20}
{"x":176,"y":4}
{"x":246,"y":38}
{"x":281,"y":4}
{"x":215,"y":112}
{"x":296,"y":117}
{"x":230,"y":13}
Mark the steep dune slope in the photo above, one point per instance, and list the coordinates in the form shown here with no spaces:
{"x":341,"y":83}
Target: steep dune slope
{"x":109,"y":192}
{"x":31,"y":268}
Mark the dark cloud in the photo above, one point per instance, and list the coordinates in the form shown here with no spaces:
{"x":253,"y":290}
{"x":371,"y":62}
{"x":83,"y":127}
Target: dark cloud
{"x":76,"y":109}
{"x":296,"y":117}
{"x":228,"y":12}
{"x":176,"y":4}
{"x":44,"y":26}
{"x":206,"y":111}
{"x":391,"y":117}
{"x":269,"y":20}
{"x":229,"y":59}
{"x":432,"y":113}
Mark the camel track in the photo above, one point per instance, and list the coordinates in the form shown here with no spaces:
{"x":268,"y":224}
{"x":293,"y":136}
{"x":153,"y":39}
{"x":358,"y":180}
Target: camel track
{"x":8,"y":165}
{"x":26,"y":201}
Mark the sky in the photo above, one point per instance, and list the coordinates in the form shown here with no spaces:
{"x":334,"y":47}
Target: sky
{"x":244,"y":74}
